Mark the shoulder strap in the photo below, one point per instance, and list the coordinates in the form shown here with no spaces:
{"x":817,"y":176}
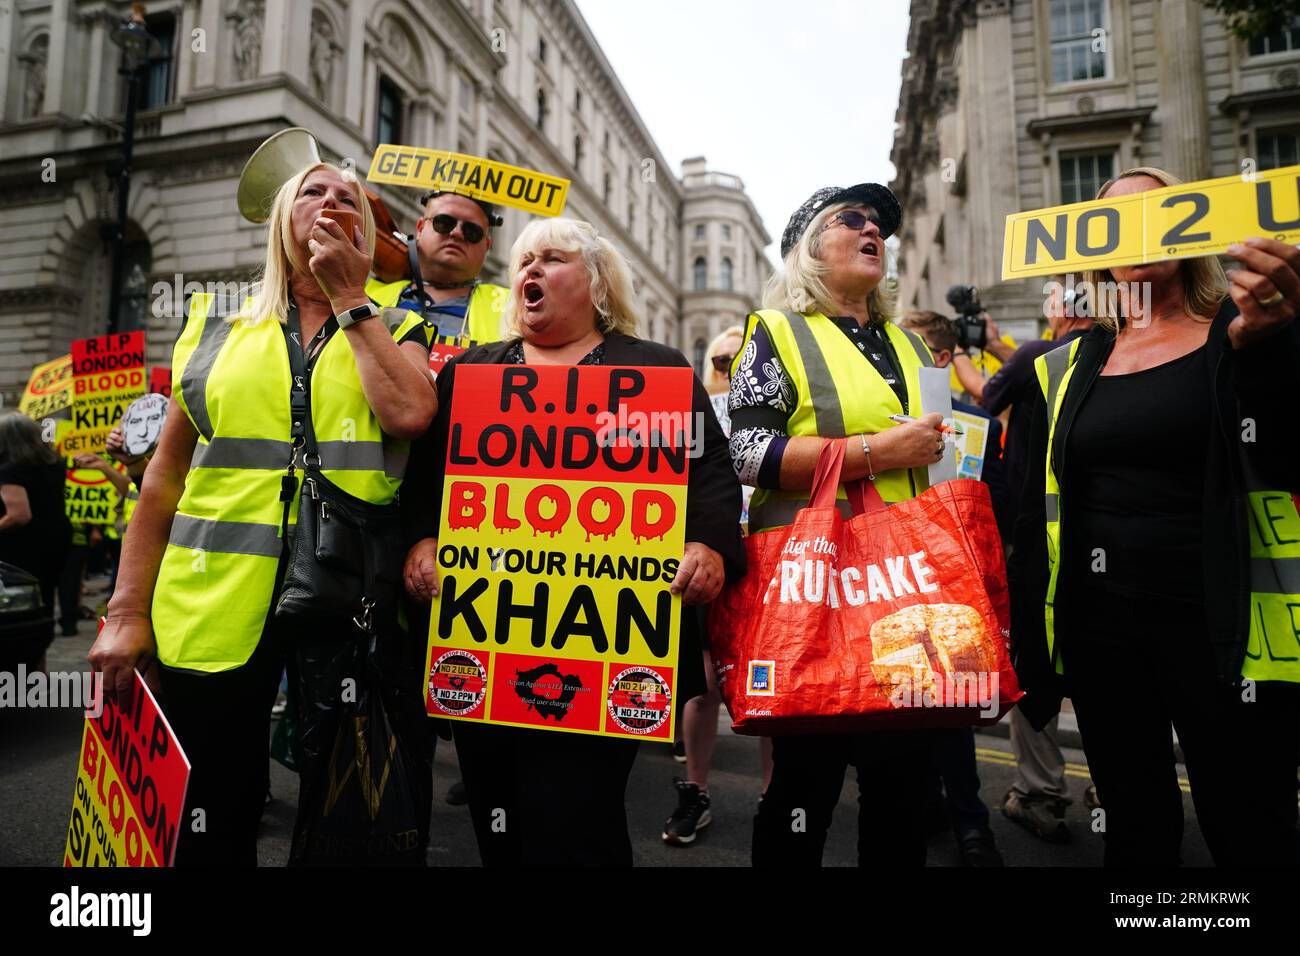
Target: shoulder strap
{"x":304,"y":435}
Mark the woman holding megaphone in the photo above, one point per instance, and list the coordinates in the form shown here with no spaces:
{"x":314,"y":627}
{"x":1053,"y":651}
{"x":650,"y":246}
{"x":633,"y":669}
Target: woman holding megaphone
{"x":300,"y":379}
{"x":1156,"y":585}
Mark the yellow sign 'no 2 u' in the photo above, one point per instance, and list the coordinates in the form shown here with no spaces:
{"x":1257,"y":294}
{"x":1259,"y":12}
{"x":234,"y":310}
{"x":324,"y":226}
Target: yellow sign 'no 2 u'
{"x":1175,"y":222}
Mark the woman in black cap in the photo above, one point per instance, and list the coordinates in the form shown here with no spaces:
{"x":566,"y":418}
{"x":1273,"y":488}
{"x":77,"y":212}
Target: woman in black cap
{"x":824,"y":360}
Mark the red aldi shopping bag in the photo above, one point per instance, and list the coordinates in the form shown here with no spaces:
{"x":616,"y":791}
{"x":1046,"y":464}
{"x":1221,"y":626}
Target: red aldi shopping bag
{"x":896,"y":617}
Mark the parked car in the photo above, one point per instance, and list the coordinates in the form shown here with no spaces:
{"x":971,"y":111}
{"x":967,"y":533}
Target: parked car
{"x":26,"y":624}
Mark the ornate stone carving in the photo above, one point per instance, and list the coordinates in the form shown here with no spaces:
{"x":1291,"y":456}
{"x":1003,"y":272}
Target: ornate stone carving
{"x":245,"y":18}
{"x":1085,"y":105}
{"x":33,"y":67}
{"x":324,"y":49}
{"x":946,"y":88}
{"x":1287,"y":78}
{"x":397,"y":41}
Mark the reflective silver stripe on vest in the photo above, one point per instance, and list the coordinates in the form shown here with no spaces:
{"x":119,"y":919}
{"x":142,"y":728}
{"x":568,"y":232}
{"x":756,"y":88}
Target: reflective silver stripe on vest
{"x":922,"y":353}
{"x":194,"y":381}
{"x":1052,"y":505}
{"x":362,"y":456}
{"x":268,"y":454}
{"x":828,"y":414}
{"x":228,"y":537}
{"x":1058,"y":363}
{"x":782,"y":511}
{"x":1275,"y":575}
{"x":222,"y":452}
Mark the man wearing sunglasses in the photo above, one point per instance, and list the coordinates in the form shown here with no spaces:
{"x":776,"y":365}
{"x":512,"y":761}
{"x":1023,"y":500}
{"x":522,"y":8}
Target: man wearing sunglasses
{"x":451,"y":242}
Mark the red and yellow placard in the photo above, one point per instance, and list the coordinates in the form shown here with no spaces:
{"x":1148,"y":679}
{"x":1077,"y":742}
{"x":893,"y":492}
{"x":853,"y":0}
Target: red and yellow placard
{"x":108,"y":374}
{"x":562,"y":526}
{"x":49,"y":389}
{"x":130,"y":792}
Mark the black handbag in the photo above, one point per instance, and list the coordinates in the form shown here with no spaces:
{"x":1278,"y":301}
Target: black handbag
{"x":346,"y":556}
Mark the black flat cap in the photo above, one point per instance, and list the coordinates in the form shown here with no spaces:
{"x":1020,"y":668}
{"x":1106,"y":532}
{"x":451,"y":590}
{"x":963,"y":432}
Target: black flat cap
{"x":874,"y":195}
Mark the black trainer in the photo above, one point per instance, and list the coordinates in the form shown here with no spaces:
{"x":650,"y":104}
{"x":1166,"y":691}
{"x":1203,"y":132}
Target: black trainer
{"x":691,"y":816}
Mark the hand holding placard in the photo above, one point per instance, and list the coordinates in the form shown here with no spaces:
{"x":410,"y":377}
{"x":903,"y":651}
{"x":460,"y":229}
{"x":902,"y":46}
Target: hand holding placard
{"x":1266,"y":290}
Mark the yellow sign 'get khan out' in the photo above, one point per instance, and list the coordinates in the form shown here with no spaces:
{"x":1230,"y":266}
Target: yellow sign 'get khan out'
{"x":1175,"y":222}
{"x":470,"y":176}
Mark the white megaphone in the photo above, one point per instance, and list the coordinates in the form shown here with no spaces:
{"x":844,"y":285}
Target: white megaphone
{"x":278,"y":159}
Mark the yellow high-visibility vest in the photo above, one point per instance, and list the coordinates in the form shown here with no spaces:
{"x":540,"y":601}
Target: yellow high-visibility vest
{"x":839,"y":393}
{"x":1274,"y":560}
{"x":217,"y":578}
{"x":487,"y":303}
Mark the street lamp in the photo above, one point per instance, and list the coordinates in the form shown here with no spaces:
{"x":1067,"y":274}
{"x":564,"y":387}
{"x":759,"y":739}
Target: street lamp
{"x":139,"y":49}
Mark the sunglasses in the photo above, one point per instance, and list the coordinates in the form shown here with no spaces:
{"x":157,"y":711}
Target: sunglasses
{"x":853,"y":219}
{"x":444,"y":225}
{"x":722,"y":363}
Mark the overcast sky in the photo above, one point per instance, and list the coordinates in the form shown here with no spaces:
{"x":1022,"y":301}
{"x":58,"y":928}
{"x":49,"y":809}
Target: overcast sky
{"x":790,"y":96}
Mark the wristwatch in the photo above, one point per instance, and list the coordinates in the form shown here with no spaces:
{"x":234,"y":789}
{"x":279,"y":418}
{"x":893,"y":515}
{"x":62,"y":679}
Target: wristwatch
{"x":360,"y":313}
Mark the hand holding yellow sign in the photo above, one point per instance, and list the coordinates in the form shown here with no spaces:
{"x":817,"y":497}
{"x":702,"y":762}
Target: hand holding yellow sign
{"x":1175,"y":222}
{"x":471,"y":176}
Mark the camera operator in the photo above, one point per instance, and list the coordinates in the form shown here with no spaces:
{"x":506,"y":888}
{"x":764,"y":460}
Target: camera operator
{"x":975,"y":331}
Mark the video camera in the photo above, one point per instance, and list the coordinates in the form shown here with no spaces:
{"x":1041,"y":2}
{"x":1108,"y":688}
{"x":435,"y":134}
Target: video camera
{"x":972,"y":332}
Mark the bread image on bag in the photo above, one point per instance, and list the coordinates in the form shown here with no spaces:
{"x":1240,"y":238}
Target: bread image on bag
{"x":911,"y":645}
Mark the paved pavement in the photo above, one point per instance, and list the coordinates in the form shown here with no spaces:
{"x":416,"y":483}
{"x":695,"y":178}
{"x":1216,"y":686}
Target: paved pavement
{"x":38,"y":753}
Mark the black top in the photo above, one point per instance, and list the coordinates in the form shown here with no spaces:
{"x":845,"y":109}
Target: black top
{"x":1133,"y":507}
{"x":32,"y":546}
{"x":1015,"y":384}
{"x":1256,"y":383}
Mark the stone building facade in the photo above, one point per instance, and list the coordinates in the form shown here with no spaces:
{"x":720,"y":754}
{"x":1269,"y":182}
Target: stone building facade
{"x":1010,"y":105}
{"x":520,"y":81}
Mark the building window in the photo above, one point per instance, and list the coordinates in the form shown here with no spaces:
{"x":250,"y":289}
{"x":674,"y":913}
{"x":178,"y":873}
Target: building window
{"x":1074,"y":35}
{"x":606,"y":142}
{"x":726,"y":232}
{"x":577,"y":152}
{"x":541,"y":109}
{"x":699,"y":349}
{"x":1083,"y":173}
{"x":701,"y":273}
{"x":631,"y":215}
{"x":156,"y":82}
{"x":541,"y":48}
{"x":1288,"y":38}
{"x":1277,"y":148}
{"x":699,"y":232}
{"x":466,"y":94}
{"x":577,"y":101}
{"x":606,"y":187}
{"x":726,"y":274}
{"x":390,"y":112}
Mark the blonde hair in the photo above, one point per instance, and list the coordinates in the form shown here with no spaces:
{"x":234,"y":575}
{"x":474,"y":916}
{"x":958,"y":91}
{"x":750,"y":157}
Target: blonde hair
{"x":611,"y":279}
{"x":798,"y":286}
{"x":271,"y":299}
{"x":1204,"y":284}
{"x":714,"y":378}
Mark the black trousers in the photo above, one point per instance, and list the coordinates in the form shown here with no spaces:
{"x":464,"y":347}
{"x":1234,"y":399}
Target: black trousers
{"x":807,"y":777}
{"x":544,"y":798}
{"x":223,"y":723}
{"x":1139,"y":666}
{"x":954,"y":767}
{"x":74,"y":567}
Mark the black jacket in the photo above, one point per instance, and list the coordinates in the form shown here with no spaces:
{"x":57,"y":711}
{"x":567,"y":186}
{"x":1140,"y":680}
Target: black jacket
{"x":712,"y":490}
{"x":1257,"y":383}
